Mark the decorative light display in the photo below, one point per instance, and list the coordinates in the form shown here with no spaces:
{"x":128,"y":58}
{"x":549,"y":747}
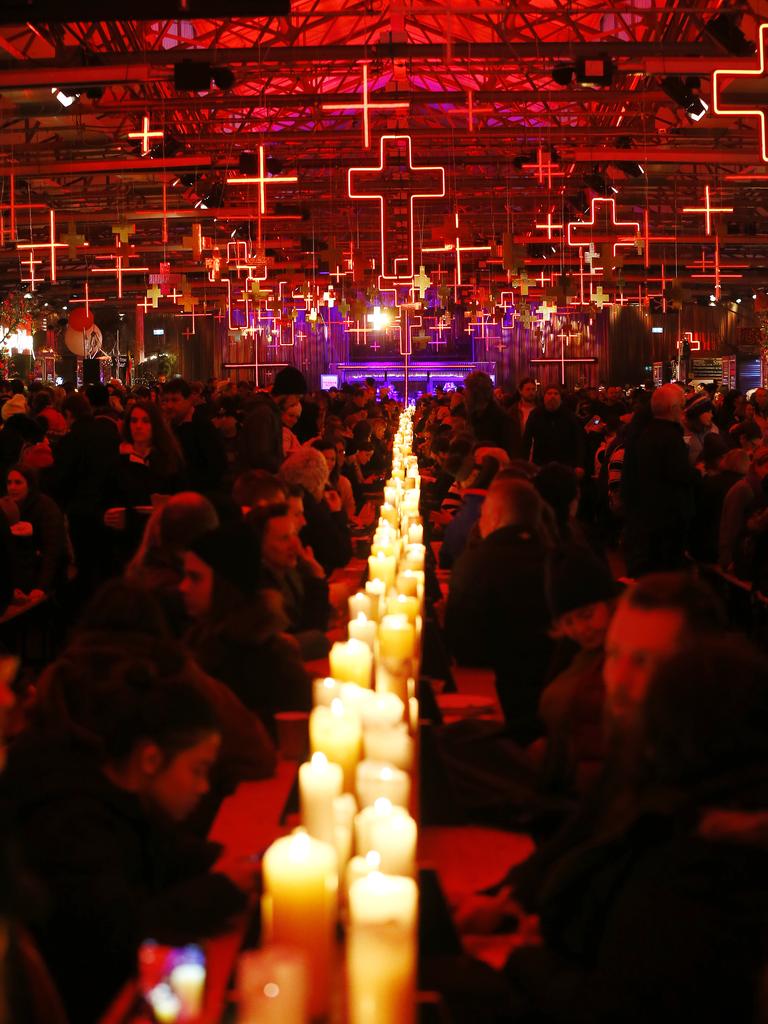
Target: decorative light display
{"x":145,"y":135}
{"x":51,"y":245}
{"x":707,"y":209}
{"x":262,"y":179}
{"x":725,"y":110}
{"x":366,"y":106}
{"x":589,"y":230}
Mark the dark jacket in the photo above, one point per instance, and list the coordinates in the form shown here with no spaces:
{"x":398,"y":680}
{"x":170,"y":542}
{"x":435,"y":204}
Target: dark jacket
{"x":114,"y":875}
{"x":84,"y":462}
{"x":554,"y":437}
{"x":43,"y":557}
{"x":658,"y":480}
{"x":327,"y":533}
{"x":460,"y":528}
{"x":261,"y":439}
{"x":305,"y":601}
{"x":204,"y":456}
{"x":497,"y":616}
{"x":493,"y":427}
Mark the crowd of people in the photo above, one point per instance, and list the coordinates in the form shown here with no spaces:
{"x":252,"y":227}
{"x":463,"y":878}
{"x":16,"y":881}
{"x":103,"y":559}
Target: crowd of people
{"x":182,"y":544}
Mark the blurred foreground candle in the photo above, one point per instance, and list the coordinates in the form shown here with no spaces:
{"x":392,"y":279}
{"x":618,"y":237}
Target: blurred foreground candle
{"x":404,"y":604}
{"x":409,"y":581}
{"x":351,"y":662}
{"x":187,"y":980}
{"x":324,"y":690}
{"x":361,"y":867}
{"x":382,"y":808}
{"x":362,"y":628}
{"x":393,"y":745}
{"x":376,"y":779}
{"x":388,"y":513}
{"x":361,"y":604}
{"x":272,"y":987}
{"x":416,"y":533}
{"x":320,"y":782}
{"x":381,"y":950}
{"x":383,"y":712}
{"x":382,"y":567}
{"x":414,"y":556}
{"x":337,"y":733}
{"x":397,"y":637}
{"x":344,"y":811}
{"x":376,"y":589}
{"x":393,"y":837}
{"x":299,"y":906}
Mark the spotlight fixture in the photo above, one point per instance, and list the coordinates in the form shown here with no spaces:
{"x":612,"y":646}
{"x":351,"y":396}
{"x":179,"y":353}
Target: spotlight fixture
{"x":724,"y":29}
{"x":594,"y":71}
{"x":563,"y":74}
{"x":686,"y":94}
{"x":65,"y":97}
{"x":198,"y":76}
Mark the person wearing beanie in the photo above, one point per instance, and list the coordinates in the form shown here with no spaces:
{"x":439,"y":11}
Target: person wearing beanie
{"x":581,"y":592}
{"x":261,"y":438}
{"x":238,"y":628}
{"x":698,"y":423}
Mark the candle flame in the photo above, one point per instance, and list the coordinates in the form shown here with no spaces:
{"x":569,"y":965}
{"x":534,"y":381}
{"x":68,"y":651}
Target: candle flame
{"x":382,"y":805}
{"x":319,"y":760}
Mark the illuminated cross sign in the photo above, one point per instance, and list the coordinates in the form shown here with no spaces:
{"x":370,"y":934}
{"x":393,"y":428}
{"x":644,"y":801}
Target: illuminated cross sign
{"x":707,"y":210}
{"x":694,"y":344}
{"x":603,"y":227}
{"x":51,"y":245}
{"x":262,"y":179}
{"x":145,"y":135}
{"x":395,"y":184}
{"x":545,"y":169}
{"x":367,"y":106}
{"x":745,"y":74}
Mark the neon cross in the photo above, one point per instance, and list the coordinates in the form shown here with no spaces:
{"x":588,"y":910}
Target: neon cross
{"x":563,"y":361}
{"x":544,"y":166}
{"x":717,"y":276}
{"x":366,"y":106}
{"x":52,"y":245}
{"x":146,"y":305}
{"x":456,"y":247}
{"x":145,"y":135}
{"x":30,"y":262}
{"x":694,"y":343}
{"x":87,"y":301}
{"x":707,"y":210}
{"x":118,"y":269}
{"x":73,"y":240}
{"x":546,"y":311}
{"x":415,"y":182}
{"x":608,"y":220}
{"x":153,"y":295}
{"x":599,"y":297}
{"x":470,"y":110}
{"x":727,"y":111}
{"x":262,"y":180}
{"x":549,"y":225}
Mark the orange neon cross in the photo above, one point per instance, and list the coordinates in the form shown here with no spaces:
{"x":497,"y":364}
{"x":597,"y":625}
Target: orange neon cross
{"x":262,"y":180}
{"x":366,"y":106}
{"x":118,"y":269}
{"x":145,"y":135}
{"x":608,"y":207}
{"x":728,"y":111}
{"x":415,"y":182}
{"x":707,"y":210}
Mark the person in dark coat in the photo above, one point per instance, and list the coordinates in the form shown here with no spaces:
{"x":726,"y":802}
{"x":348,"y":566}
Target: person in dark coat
{"x":43,"y":557}
{"x":497,"y":614}
{"x":553,"y":434}
{"x":327,"y":529}
{"x":490,"y":425}
{"x":658,"y":484}
{"x":661,"y":915}
{"x":98,"y":787}
{"x":261,"y":439}
{"x":238,"y":634}
{"x":202,"y":446}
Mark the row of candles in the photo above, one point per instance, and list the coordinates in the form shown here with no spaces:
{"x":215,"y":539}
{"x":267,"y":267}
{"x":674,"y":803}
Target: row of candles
{"x":354,"y":858}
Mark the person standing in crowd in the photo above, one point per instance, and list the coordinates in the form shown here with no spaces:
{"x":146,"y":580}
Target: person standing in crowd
{"x":553,"y":434}
{"x":698,"y":424}
{"x":658,"y":484}
{"x":198,"y":439}
{"x":743,"y":522}
{"x":290,"y":411}
{"x":521,"y":407}
{"x":261,"y":439}
{"x":490,"y":425}
{"x":41,"y":558}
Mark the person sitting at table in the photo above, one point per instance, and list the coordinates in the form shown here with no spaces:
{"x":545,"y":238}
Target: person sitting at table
{"x":327,"y":529}
{"x":333,"y":452}
{"x":97,"y":787}
{"x":496,"y":613}
{"x":254,"y":488}
{"x":290,"y":568}
{"x":41,"y":555}
{"x":238,"y":632}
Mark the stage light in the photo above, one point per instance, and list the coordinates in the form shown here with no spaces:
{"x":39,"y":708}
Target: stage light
{"x":65,"y":98}
{"x":685,"y":94}
{"x":562,"y":74}
{"x":594,"y":71}
{"x":198,"y":76}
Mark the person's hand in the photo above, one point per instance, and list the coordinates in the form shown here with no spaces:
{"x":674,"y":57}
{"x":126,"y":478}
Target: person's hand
{"x":307,"y":558}
{"x":483,"y":915}
{"x":241,"y":871}
{"x":333,"y":500}
{"x":114,"y":518}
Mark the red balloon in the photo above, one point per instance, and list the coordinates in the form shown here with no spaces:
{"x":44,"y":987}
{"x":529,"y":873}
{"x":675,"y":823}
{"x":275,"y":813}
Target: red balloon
{"x":80,"y":320}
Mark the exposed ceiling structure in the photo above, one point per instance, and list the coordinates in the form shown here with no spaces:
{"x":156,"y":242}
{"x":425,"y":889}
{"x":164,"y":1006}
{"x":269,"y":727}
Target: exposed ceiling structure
{"x":140,"y":167}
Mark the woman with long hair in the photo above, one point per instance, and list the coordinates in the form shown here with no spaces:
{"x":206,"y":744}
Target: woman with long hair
{"x":41,"y":554}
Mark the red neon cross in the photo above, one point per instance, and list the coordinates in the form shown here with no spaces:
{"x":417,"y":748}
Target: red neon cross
{"x":366,"y":106}
{"x":403,"y":181}
{"x":707,"y":210}
{"x":118,"y":269}
{"x":262,"y":180}
{"x":694,"y":343}
{"x":728,"y":111}
{"x":52,"y":245}
{"x":544,"y":166}
{"x":145,"y":135}
{"x":549,"y":225}
{"x":599,"y":230}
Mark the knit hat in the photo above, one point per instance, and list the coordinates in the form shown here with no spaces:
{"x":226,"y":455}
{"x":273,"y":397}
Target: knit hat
{"x":698,"y":404}
{"x":232,"y":552}
{"x":14,"y":406}
{"x":575,"y":578}
{"x":289,"y":381}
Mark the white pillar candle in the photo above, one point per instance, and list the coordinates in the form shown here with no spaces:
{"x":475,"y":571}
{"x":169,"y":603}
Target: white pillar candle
{"x":394,"y":839}
{"x":404,"y":604}
{"x":391,"y":496}
{"x":320,"y":782}
{"x":361,"y":604}
{"x":361,"y":867}
{"x":388,"y":513}
{"x":409,"y":582}
{"x":397,"y":637}
{"x":376,"y":589}
{"x":377,"y":779}
{"x":362,"y":628}
{"x":380,"y":898}
{"x":356,"y":698}
{"x":272,"y":987}
{"x":414,"y":556}
{"x":351,"y":662}
{"x":300,"y":905}
{"x":344,"y":811}
{"x":413,"y":713}
{"x":391,"y":745}
{"x":383,"y":712}
{"x":382,"y":567}
{"x":324,"y":691}
{"x":336,"y":732}
{"x":416,"y":533}
{"x":364,"y":819}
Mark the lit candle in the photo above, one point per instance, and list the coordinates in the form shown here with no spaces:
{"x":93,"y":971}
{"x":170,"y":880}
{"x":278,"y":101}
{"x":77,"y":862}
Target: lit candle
{"x":363,"y":628}
{"x":397,"y":637}
{"x":391,"y":496}
{"x":344,"y":811}
{"x":272,"y":987}
{"x":361,"y":867}
{"x":361,"y":604}
{"x":383,"y":712}
{"x":300,"y":905}
{"x":336,"y":732}
{"x":376,"y":589}
{"x":388,"y":513}
{"x":392,"y":745}
{"x":324,"y":690}
{"x":381,"y":898}
{"x":409,"y":582}
{"x":404,"y":604}
{"x":414,"y":556}
{"x":413,"y":713}
{"x":416,"y":533}
{"x":375,"y":780}
{"x":351,"y":662}
{"x":382,"y":808}
{"x":394,"y":839}
{"x":320,"y":782}
{"x":382,"y":567}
